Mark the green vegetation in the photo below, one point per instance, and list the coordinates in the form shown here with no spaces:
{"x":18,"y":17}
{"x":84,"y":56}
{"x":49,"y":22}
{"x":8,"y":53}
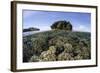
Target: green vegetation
{"x":62,"y":25}
{"x":56,"y":45}
{"x":31,"y":29}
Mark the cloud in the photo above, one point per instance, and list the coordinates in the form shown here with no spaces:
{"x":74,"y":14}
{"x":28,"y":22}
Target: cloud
{"x":44,"y":28}
{"x":82,"y":28}
{"x":28,"y":13}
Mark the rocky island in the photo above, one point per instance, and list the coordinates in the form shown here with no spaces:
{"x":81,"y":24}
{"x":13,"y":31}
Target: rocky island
{"x":30,"y":29}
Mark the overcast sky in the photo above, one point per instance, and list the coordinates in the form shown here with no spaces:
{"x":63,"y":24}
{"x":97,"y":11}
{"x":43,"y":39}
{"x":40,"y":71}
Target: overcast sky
{"x":44,"y":19}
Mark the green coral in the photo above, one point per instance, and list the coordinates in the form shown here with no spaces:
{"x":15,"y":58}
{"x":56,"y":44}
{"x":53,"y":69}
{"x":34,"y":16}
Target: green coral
{"x":56,"y":46}
{"x":34,"y":58}
{"x":65,"y":56}
{"x":68,"y":48}
{"x":48,"y":55}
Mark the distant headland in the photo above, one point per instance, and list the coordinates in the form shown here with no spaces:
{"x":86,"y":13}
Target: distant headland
{"x":30,"y":29}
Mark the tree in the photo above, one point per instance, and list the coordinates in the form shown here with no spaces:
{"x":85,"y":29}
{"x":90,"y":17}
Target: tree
{"x":62,"y":25}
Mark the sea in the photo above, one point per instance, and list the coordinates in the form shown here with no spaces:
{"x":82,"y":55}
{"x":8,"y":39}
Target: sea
{"x":30,"y":33}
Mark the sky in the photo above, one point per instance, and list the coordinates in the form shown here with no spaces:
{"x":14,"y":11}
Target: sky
{"x":44,"y":19}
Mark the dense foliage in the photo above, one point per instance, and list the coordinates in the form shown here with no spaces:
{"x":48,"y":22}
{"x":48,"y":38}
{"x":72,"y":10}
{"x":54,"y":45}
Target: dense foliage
{"x":56,"y":45}
{"x":62,"y":25}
